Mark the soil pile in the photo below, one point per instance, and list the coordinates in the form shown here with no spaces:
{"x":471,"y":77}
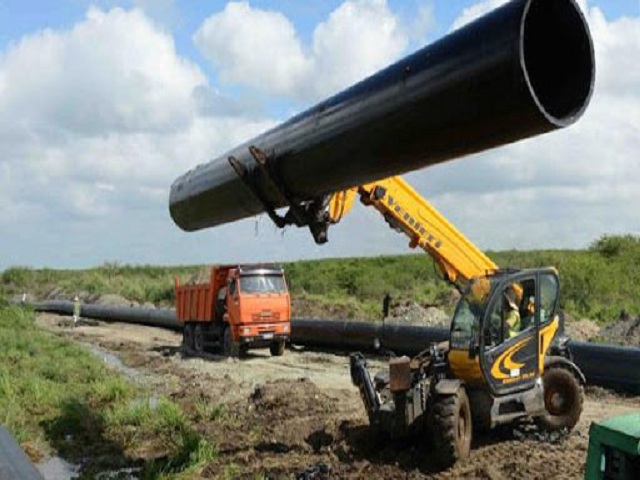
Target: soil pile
{"x":582,"y":330}
{"x":411,"y":313}
{"x":625,"y":331}
{"x":303,"y":307}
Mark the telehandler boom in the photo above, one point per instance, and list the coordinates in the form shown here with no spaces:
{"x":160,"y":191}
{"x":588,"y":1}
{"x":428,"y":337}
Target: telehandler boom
{"x":406,"y":211}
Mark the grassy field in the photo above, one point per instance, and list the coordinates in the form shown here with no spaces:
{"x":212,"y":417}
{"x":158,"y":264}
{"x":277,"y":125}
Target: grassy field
{"x":57,"y":398}
{"x":599,"y":282}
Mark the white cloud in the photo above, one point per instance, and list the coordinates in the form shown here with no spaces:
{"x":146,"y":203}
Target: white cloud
{"x":112,"y":72}
{"x":262,"y":50}
{"x":475,"y":11}
{"x":254,"y":47}
{"x":94,"y":118}
{"x":358,"y":38}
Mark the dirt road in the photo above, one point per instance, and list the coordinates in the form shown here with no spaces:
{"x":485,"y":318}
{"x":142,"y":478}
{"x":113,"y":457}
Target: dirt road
{"x":282,"y":417}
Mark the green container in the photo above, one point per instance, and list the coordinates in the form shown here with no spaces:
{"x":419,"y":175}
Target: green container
{"x":614,"y":449}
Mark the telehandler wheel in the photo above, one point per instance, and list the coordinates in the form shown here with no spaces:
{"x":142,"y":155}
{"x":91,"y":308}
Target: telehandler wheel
{"x":452,"y":427}
{"x":198,"y":338}
{"x":277,"y":348}
{"x":563,"y":397}
{"x":229,"y":347}
{"x":187,"y":336}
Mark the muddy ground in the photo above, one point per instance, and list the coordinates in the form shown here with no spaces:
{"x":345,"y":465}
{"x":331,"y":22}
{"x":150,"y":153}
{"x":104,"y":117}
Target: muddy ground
{"x":298,"y":416}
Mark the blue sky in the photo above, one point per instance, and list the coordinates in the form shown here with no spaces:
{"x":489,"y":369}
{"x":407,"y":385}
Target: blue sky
{"x":104,"y":103}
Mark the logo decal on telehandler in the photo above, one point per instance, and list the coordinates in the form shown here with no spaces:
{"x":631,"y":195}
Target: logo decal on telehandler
{"x":505,"y":364}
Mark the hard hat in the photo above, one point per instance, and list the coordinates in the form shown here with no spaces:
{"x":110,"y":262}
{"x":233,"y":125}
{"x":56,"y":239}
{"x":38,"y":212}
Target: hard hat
{"x":480,"y":289}
{"x":513,"y":295}
{"x":517,"y":289}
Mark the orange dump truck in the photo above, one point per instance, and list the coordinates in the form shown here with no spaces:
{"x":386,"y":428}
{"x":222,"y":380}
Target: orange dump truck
{"x":242,"y":307}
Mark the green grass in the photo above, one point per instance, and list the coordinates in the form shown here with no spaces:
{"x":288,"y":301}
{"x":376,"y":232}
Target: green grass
{"x":208,"y":412}
{"x":56,"y":397}
{"x":599,"y":282}
{"x":139,"y":283}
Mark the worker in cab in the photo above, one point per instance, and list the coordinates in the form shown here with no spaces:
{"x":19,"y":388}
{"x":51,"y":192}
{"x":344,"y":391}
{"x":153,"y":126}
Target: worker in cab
{"x":530,"y":312}
{"x":512,"y":298}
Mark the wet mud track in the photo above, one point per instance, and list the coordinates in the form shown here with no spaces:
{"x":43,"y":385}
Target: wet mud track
{"x":298,"y":416}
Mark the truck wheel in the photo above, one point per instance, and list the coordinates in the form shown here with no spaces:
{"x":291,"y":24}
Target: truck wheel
{"x":277,"y":348}
{"x":229,"y":347}
{"x":198,"y":338}
{"x":451,"y":427}
{"x":563,"y":397}
{"x":187,"y":336}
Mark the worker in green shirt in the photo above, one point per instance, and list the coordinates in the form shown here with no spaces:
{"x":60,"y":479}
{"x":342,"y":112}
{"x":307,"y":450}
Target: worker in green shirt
{"x":76,"y":310}
{"x":512,"y":297}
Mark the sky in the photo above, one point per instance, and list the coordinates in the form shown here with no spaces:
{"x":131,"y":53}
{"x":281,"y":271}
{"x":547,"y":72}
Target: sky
{"x":104,"y":103}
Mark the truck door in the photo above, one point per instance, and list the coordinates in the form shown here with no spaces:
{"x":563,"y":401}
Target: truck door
{"x":509,"y":343}
{"x":233,"y":300}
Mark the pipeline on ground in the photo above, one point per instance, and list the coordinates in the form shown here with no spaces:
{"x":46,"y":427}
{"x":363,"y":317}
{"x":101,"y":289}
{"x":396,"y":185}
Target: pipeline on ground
{"x":607,"y":366}
{"x":14,"y":463}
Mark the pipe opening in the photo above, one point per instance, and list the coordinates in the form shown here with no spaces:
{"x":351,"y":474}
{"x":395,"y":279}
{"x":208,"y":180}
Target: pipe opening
{"x":558,"y":58}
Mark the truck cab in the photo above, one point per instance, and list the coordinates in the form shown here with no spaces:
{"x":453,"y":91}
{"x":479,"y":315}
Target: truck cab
{"x":241,"y":307}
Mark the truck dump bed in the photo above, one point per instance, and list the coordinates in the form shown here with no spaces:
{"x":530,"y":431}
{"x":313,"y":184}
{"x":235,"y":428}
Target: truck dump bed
{"x":197,"y":302}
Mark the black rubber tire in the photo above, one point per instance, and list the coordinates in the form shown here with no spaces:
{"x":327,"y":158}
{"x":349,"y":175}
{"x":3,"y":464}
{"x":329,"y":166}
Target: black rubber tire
{"x":563,"y":399}
{"x":187,"y":336}
{"x":229,"y":347}
{"x":481,"y":411}
{"x":198,"y":338}
{"x":277,"y":348}
{"x":451,"y":427}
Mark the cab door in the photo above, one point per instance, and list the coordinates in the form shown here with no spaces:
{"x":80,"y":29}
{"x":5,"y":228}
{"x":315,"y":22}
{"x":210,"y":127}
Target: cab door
{"x":509,"y":349}
{"x":233,"y":302}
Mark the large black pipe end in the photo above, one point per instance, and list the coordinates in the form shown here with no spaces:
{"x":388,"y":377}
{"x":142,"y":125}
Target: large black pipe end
{"x":556,"y":55}
{"x":522,"y":70}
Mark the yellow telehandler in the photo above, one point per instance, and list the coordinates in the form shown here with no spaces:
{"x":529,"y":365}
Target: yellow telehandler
{"x":506,"y":358}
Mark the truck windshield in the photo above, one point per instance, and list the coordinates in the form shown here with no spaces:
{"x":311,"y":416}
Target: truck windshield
{"x":470,"y":310}
{"x":262,"y":284}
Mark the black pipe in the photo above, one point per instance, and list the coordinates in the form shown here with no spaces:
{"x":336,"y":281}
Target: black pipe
{"x":14,"y":463}
{"x":152,"y":317}
{"x":365,"y":336}
{"x":608,"y":365}
{"x":524,"y":69}
{"x":604,"y":365}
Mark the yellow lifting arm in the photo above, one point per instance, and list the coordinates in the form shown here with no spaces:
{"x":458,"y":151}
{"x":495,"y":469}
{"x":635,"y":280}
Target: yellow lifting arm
{"x":406,"y":211}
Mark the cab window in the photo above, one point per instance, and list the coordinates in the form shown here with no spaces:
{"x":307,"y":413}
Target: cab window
{"x":549,"y":290}
{"x":511,"y":312}
{"x":470,"y":310}
{"x":262,"y":284}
